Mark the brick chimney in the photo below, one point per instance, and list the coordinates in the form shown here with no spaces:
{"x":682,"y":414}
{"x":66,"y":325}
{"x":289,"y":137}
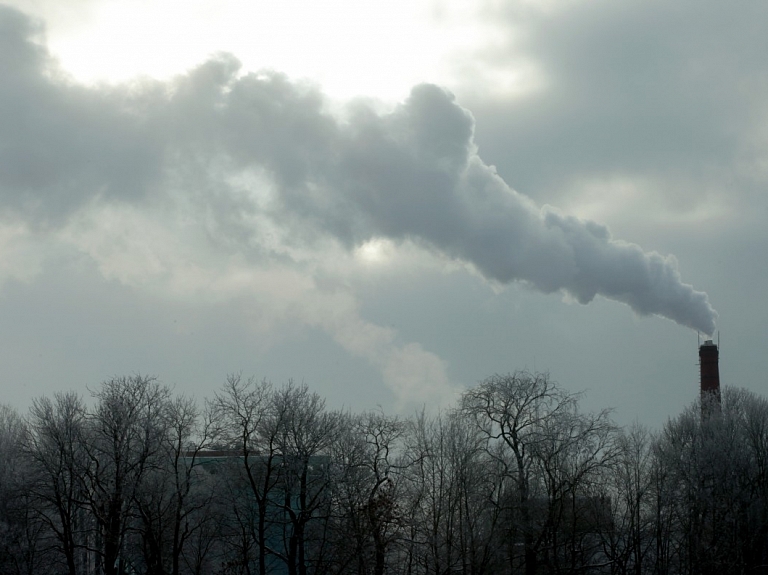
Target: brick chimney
{"x":710,"y":378}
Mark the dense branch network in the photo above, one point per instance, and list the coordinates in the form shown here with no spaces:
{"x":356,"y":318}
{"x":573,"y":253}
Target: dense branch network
{"x":263,"y":479}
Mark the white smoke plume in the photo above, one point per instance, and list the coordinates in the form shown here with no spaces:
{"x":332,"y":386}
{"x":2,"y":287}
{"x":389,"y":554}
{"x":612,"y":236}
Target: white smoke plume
{"x":412,"y":173}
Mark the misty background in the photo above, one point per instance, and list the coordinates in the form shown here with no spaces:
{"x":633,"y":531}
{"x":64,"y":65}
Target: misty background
{"x":387,"y":235}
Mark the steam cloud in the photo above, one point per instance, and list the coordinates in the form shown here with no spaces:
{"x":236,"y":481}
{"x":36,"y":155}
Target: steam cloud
{"x":409,"y":174}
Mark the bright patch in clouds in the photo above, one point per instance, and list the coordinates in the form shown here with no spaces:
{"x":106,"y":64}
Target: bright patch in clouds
{"x":376,"y":252}
{"x":364,"y":47}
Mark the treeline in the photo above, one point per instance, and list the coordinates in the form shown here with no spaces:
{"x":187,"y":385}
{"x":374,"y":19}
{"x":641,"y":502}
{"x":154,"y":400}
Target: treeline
{"x":266,"y":480}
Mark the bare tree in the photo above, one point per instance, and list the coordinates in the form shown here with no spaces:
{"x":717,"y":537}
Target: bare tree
{"x":23,"y":535}
{"x":712,"y":481}
{"x":249,"y":425}
{"x":308,"y":434}
{"x":171,"y":499}
{"x":124,"y":438}
{"x":55,"y":451}
{"x":753,"y":423}
{"x":570,"y":453}
{"x":546,"y":448}
{"x":510,"y":410}
{"x":453,"y":496}
{"x":368,"y":459}
{"x":628,"y":483}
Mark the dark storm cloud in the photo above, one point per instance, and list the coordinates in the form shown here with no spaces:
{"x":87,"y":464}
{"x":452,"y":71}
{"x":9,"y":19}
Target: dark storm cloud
{"x":412,"y":173}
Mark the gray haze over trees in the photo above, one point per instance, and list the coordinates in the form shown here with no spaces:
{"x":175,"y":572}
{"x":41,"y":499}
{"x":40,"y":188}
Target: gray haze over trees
{"x":515,"y":478}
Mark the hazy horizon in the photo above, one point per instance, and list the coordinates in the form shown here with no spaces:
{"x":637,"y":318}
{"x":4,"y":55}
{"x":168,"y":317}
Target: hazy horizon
{"x":387,"y":202}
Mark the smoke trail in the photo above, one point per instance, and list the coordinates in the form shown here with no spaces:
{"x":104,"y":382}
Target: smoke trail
{"x":412,"y":173}
{"x":415,"y":174}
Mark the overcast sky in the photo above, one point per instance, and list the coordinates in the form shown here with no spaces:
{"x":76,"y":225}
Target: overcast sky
{"x":387,"y":200}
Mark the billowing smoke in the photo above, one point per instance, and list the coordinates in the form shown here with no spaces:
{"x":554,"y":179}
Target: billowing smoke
{"x":412,"y":173}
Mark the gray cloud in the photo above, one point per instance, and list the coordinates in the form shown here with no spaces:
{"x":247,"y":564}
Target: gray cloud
{"x":61,"y":143}
{"x":666,"y":90}
{"x":409,"y":174}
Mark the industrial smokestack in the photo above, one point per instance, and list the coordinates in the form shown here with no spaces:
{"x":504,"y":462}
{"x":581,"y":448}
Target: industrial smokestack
{"x":710,"y":378}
